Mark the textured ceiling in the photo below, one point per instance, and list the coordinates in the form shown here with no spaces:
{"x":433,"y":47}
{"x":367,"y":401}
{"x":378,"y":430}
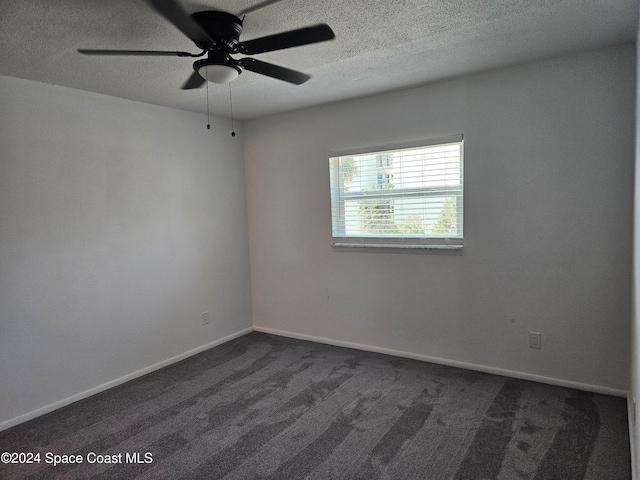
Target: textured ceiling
{"x":380,"y":45}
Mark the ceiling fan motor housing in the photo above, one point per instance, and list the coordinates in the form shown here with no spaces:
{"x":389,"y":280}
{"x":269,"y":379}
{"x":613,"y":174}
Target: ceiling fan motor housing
{"x":223,"y":28}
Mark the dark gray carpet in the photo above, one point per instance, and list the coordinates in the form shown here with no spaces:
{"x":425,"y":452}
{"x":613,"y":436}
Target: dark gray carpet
{"x":267,"y":407}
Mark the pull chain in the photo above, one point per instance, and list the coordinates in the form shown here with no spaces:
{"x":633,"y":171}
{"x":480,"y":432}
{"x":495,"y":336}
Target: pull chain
{"x":208,"y":123}
{"x":233,"y":133}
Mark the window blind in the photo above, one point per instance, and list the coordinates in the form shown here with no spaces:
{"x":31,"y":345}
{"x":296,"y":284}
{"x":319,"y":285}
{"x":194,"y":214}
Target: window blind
{"x":409,"y":197}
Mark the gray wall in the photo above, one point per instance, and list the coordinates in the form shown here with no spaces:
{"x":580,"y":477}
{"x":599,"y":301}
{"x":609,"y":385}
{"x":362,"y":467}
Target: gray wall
{"x":548,"y":215}
{"x":120,"y":223}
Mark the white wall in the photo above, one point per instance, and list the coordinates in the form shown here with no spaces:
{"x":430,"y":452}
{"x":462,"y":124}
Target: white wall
{"x":634,"y":393}
{"x":120,"y":223}
{"x":548,"y":213}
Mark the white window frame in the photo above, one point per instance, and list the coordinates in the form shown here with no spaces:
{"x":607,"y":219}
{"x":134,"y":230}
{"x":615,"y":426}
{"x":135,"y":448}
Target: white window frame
{"x":430,"y":242}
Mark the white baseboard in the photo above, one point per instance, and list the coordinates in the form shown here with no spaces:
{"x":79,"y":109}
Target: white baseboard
{"x":452,"y":363}
{"x":105,"y":386}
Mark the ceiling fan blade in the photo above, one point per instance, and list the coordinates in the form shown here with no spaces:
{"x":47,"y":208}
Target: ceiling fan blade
{"x":257,"y":6}
{"x":181,"y":19}
{"x":293,"y":38}
{"x":194,"y":81}
{"x":160,"y":53}
{"x":274,"y":71}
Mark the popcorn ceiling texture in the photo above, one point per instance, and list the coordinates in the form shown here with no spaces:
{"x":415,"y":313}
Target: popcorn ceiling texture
{"x":379,"y":46}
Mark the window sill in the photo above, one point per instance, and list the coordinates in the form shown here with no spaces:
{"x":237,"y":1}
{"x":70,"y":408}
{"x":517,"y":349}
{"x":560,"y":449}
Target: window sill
{"x":398,"y":248}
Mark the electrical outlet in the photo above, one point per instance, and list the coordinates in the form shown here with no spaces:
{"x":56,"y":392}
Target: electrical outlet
{"x":535,"y":340}
{"x":205,"y":318}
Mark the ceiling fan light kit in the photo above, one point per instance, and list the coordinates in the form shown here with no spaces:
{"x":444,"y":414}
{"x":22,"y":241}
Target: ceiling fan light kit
{"x":217,"y":34}
{"x":215,"y":73}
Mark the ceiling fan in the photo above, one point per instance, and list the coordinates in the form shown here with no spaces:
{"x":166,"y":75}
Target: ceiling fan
{"x":217,"y":34}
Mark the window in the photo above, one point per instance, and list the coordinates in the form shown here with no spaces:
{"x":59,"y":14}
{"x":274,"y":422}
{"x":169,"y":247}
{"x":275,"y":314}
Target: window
{"x":409,"y":196}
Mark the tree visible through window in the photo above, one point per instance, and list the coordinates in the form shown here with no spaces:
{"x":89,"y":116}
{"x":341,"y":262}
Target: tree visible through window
{"x":409,"y":197}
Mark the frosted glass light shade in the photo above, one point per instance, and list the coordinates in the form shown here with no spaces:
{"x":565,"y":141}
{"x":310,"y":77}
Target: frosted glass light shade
{"x":218,"y":73}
